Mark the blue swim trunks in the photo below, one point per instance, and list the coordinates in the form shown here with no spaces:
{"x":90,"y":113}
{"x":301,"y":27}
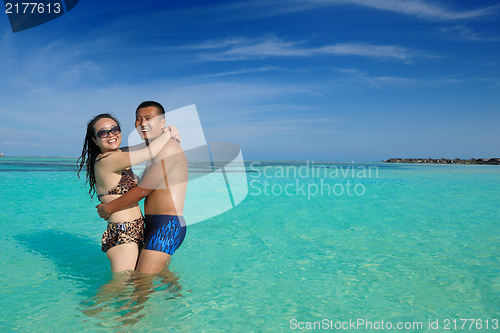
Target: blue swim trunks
{"x":164,"y":233}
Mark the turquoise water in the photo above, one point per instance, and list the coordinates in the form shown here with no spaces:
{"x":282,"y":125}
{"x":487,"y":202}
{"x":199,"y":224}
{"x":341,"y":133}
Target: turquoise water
{"x":410,"y":244}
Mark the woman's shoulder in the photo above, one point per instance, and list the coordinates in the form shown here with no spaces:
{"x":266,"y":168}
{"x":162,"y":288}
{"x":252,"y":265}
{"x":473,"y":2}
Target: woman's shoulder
{"x":104,"y":155}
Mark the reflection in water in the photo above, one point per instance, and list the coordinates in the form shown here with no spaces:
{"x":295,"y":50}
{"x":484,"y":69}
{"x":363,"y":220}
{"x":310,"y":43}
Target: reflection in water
{"x":121,"y":302}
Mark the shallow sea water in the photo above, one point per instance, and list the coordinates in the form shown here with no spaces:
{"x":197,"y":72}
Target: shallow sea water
{"x":410,"y":244}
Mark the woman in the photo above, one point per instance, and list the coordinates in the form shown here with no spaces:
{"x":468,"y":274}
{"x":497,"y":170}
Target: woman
{"x":109,"y":174}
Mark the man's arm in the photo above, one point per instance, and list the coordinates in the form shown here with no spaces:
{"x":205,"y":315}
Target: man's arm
{"x":130,"y":198}
{"x":156,"y":175}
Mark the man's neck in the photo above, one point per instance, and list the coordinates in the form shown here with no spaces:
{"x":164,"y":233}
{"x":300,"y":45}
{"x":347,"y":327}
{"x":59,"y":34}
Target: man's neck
{"x":149,"y":140}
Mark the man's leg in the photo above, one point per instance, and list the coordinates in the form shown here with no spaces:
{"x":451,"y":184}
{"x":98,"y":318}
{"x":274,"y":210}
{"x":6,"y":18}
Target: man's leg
{"x":152,"y":261}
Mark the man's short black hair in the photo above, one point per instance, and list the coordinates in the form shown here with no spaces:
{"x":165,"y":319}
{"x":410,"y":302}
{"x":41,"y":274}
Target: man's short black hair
{"x":158,"y":106}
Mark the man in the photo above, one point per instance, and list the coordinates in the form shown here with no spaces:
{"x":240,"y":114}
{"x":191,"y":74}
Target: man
{"x":164,"y":184}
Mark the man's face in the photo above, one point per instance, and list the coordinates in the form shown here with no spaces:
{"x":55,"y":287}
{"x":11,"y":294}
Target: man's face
{"x":148,"y":123}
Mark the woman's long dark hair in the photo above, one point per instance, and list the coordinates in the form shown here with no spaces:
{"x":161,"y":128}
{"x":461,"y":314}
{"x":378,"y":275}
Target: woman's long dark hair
{"x":90,"y":152}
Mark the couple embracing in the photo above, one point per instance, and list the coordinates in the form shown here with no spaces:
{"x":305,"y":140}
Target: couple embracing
{"x":133,"y":241}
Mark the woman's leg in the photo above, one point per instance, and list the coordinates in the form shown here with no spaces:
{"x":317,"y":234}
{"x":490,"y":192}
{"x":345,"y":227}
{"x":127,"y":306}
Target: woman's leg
{"x":123,"y":257}
{"x":152,"y":261}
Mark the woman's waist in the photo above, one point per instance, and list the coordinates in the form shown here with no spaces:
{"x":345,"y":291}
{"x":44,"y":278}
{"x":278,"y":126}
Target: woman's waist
{"x":128,"y":214}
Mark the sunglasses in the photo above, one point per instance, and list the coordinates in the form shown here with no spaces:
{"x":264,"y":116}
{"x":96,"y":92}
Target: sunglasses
{"x":105,"y":133}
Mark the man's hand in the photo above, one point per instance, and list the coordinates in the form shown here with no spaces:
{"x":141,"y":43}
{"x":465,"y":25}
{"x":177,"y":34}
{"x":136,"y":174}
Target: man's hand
{"x":101,"y":210}
{"x":174,"y":133}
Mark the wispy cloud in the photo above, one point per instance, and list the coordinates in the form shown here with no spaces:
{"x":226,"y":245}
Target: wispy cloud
{"x":245,"y":71}
{"x":423,"y":9}
{"x":77,"y":71}
{"x":418,"y":8}
{"x":289,"y":129}
{"x":248,"y":49}
{"x":356,"y":77}
{"x":31,"y":145}
{"x":213,"y":44}
{"x":366,"y":50}
{"x":431,"y":82}
{"x":465,"y":33}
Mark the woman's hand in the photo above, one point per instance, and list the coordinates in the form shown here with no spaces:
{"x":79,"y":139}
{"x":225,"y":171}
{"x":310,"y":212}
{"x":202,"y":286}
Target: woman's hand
{"x":174,"y":133}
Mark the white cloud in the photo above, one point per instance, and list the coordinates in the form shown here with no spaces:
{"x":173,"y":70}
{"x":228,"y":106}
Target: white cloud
{"x":247,"y":49}
{"x":22,"y":146}
{"x":77,"y":71}
{"x":465,"y":33}
{"x":245,"y":71}
{"x":418,"y":8}
{"x":212,"y":44}
{"x":366,"y":50}
{"x":354,"y":77}
{"x":423,"y":9}
{"x":282,"y":129}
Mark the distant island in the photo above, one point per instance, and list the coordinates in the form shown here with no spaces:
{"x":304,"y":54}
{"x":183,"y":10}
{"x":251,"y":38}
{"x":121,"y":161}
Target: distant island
{"x":490,"y":161}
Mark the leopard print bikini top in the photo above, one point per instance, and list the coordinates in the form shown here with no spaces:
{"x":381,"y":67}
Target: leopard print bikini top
{"x":124,"y":185}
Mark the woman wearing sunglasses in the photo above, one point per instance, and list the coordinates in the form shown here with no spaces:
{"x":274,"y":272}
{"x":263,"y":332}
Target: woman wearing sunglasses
{"x":109,"y":175}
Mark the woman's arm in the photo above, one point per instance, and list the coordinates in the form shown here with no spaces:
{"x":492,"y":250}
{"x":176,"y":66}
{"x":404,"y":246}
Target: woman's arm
{"x":174,"y":134}
{"x":122,"y":160}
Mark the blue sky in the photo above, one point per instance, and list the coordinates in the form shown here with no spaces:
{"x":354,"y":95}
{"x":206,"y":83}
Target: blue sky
{"x":331,"y":80}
